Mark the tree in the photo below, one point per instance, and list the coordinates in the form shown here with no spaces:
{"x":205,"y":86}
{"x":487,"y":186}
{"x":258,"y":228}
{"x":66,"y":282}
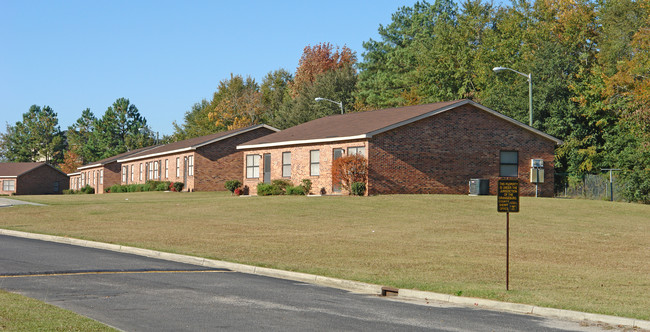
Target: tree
{"x":275,"y":94}
{"x":317,"y":60}
{"x":36,"y":138}
{"x":236,"y":104}
{"x":120,"y":129}
{"x":196,"y":122}
{"x":350,"y":169}
{"x":80,"y":139}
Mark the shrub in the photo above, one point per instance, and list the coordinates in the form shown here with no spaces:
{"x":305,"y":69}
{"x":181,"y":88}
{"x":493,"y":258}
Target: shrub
{"x":231,"y":185}
{"x":297,"y":190}
{"x":306,"y":185}
{"x":179,"y":186}
{"x":267,"y":189}
{"x":350,"y":169}
{"x":281,"y":183}
{"x":68,"y":191}
{"x":162,"y":186}
{"x":358,"y":188}
{"x":87,"y":189}
{"x":238,"y":191}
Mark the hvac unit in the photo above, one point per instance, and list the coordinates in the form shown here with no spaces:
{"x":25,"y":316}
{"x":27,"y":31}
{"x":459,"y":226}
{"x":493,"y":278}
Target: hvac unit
{"x":479,"y":187}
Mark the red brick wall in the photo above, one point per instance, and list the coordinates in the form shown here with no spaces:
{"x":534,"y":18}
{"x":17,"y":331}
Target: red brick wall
{"x":41,"y":181}
{"x":219,"y":162}
{"x":300,"y":167}
{"x":442,"y":153}
{"x":171,"y":175}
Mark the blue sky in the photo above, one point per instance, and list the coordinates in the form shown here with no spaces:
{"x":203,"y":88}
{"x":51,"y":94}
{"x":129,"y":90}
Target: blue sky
{"x":162,"y":55}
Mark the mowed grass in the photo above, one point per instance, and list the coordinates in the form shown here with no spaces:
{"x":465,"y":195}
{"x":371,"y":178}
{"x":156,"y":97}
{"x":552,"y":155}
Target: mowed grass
{"x":19,"y":313}
{"x":591,"y":256}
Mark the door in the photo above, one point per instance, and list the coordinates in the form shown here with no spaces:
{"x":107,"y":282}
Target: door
{"x":185,"y":172}
{"x":337,"y":153}
{"x":267,"y":168}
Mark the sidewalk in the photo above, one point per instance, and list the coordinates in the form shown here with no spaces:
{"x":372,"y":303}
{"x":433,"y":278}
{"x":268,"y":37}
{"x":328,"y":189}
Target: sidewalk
{"x":7,"y":202}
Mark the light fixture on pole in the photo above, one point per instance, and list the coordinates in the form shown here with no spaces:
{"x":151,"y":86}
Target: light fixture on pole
{"x":340,"y":103}
{"x":530,"y":90}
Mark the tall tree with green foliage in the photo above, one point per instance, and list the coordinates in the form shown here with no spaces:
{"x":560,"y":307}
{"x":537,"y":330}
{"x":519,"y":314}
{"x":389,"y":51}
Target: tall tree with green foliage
{"x":36,"y":138}
{"x":120,"y":129}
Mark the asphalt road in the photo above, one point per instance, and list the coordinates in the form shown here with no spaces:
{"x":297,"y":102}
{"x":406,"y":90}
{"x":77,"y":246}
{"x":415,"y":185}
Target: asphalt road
{"x":135,"y":293}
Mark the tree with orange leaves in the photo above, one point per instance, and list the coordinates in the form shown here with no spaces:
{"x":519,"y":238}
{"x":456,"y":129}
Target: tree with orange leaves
{"x":350,"y":169}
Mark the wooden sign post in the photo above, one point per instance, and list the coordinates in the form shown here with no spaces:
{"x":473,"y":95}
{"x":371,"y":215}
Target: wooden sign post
{"x":508,"y":201}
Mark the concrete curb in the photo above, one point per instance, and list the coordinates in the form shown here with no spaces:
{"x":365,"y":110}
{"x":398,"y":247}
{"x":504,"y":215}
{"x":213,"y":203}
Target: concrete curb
{"x":352,"y":286}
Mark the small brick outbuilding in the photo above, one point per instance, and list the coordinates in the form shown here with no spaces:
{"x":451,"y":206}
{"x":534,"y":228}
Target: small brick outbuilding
{"x":35,"y":178}
{"x":434,"y":148}
{"x":203,"y":163}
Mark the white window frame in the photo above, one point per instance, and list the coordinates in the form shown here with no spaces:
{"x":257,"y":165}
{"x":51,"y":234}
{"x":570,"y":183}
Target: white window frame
{"x":357,"y":150}
{"x":132,"y":176}
{"x":286,"y":164}
{"x":124,"y":173}
{"x":253,"y":166}
{"x":140,"y":171}
{"x":178,"y":167}
{"x":101,"y":176}
{"x":9,"y":185}
{"x":166,"y":168}
{"x":190,"y":165}
{"x":314,"y":162}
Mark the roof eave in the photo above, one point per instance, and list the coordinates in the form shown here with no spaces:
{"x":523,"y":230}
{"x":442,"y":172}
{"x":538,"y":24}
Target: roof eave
{"x":191,"y":148}
{"x":301,"y":142}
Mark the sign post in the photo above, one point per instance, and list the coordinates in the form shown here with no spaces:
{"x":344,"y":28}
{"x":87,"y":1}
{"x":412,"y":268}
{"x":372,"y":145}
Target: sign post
{"x":508,"y":201}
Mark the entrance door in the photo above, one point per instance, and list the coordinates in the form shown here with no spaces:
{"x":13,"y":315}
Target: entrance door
{"x":338,"y":153}
{"x":185,"y":172}
{"x":267,"y":168}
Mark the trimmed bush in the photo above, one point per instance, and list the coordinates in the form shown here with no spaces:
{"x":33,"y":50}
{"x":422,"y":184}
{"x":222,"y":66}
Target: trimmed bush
{"x":358,"y":188}
{"x":282,"y":184}
{"x":306,"y":185}
{"x":87,"y":189}
{"x":178,"y":186}
{"x":266,"y":189}
{"x":231,"y":185}
{"x":297,"y":190}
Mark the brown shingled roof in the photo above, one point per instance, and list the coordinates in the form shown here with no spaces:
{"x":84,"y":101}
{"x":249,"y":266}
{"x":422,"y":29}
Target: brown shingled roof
{"x":18,"y":169}
{"x":366,"y":124}
{"x":115,"y":158}
{"x":192,"y":143}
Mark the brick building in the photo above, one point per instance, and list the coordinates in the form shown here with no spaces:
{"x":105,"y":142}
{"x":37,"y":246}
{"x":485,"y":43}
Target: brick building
{"x":434,"y":148}
{"x":31,"y":179}
{"x":203,"y":163}
{"x":101,"y":174}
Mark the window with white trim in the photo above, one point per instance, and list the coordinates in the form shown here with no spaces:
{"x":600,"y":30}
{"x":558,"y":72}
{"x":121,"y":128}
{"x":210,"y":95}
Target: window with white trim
{"x":150,"y":166}
{"x":124,"y":171}
{"x":190,"y":165}
{"x":509,"y":164}
{"x":166,"y":168}
{"x":286,"y":164}
{"x":155,"y":170}
{"x":357,"y":150}
{"x":132,"y":176}
{"x":253,"y":166}
{"x":178,"y":167}
{"x":140,"y":171}
{"x":83,"y":179}
{"x":9,"y":185}
{"x":101,"y":176}
{"x":314,"y":162}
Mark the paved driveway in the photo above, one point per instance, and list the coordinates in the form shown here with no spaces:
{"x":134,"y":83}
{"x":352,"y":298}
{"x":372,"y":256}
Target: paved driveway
{"x":6,"y":202}
{"x":136,"y":293}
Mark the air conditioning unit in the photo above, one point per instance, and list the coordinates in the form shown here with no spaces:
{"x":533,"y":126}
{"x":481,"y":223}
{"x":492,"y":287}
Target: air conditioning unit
{"x":537,"y":163}
{"x":479,"y":187}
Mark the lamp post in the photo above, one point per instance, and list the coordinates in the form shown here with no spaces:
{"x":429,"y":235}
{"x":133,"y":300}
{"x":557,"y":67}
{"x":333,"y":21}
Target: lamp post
{"x":530,"y":90}
{"x":340,"y":103}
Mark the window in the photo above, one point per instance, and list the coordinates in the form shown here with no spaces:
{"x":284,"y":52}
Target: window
{"x":101,"y":177}
{"x":314,"y":162}
{"x":155,"y":170}
{"x":94,"y":183}
{"x":286,"y":164}
{"x":132,"y":173}
{"x":190,"y":165}
{"x":166,"y":168}
{"x":356,"y":150}
{"x":83,"y":179}
{"x":178,"y":167}
{"x":509,"y":163}
{"x":124,"y":171}
{"x":56,"y":186}
{"x":252,"y":166}
{"x":140,"y":171}
{"x":150,"y":167}
{"x":9,"y":185}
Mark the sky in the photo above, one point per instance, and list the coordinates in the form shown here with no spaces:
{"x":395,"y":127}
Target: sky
{"x":163,"y":56}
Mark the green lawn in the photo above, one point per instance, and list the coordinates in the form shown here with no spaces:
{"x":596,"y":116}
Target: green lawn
{"x":580,"y":255}
{"x":19,"y":313}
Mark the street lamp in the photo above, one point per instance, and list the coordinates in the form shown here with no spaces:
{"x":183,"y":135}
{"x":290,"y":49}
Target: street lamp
{"x":340,"y":103}
{"x":530,"y":90}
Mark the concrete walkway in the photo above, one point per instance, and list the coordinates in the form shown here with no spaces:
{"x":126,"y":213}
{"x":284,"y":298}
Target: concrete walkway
{"x":7,"y":202}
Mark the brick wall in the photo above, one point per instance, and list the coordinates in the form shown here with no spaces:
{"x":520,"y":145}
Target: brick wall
{"x":162,"y":176}
{"x":41,"y":181}
{"x":219,"y":162}
{"x":442,"y":153}
{"x":300,"y":164}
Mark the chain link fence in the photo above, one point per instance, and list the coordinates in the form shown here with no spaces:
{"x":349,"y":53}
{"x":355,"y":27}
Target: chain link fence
{"x":590,"y":186}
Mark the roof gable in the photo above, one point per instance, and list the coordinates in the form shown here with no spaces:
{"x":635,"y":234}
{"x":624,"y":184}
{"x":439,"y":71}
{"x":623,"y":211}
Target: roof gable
{"x":192,"y":143}
{"x":364,"y":125}
{"x":12,"y":170}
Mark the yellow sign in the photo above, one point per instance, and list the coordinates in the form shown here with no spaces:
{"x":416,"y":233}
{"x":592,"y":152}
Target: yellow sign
{"x":508,"y":196}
